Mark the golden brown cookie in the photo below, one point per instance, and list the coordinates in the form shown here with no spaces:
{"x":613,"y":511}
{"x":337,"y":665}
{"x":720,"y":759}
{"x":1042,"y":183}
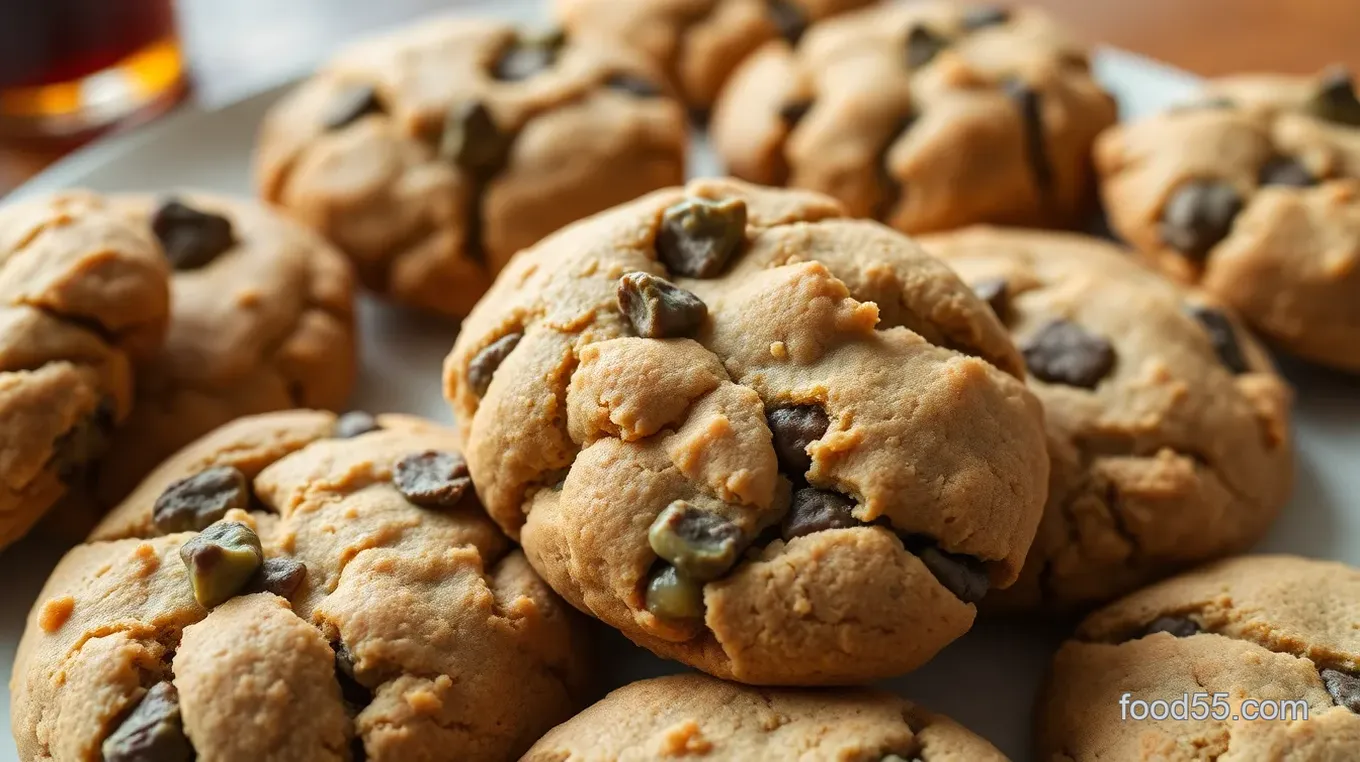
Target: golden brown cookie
{"x":1168,"y":426}
{"x":925,"y":115}
{"x":698,"y":43}
{"x":295,"y":587}
{"x":1253,"y":192}
{"x":83,"y":295}
{"x":1240,"y":642}
{"x":777,"y":444}
{"x":432,"y":154}
{"x":698,"y":717}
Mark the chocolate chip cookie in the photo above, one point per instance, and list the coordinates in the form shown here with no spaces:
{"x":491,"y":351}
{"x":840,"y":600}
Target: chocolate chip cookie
{"x":774,"y":443}
{"x":698,"y":43}
{"x":1168,"y":427}
{"x":686,"y":716}
{"x":1253,"y":192}
{"x":433,"y":154}
{"x":1255,"y":628}
{"x":926,"y":115}
{"x":84,"y":294}
{"x":285,"y":588}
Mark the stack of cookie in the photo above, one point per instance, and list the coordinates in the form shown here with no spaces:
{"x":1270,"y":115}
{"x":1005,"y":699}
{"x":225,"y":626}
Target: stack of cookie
{"x":757,"y":430}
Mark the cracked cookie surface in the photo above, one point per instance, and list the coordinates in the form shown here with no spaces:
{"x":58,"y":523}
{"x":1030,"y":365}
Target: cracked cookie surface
{"x":1253,"y":192}
{"x":926,"y":115}
{"x":84,"y":295}
{"x":813,"y":483}
{"x":432,"y":154}
{"x":698,"y":717}
{"x":374,"y":628}
{"x":1176,"y":452}
{"x":1277,"y":628}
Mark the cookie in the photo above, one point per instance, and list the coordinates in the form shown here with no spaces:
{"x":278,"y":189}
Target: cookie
{"x":771,"y":442}
{"x":698,"y":43}
{"x":83,"y":295}
{"x":1168,"y":427}
{"x":1261,"y":629}
{"x":277,"y":590}
{"x":685,"y":716}
{"x":1252,"y":192}
{"x":432,"y":154}
{"x":926,"y":115}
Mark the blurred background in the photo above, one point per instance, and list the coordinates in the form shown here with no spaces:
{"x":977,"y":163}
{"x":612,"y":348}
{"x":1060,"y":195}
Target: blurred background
{"x":71,"y":70}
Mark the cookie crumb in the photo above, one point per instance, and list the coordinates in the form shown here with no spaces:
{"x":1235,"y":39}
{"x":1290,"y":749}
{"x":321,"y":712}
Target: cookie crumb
{"x":778,"y":351}
{"x":55,"y":612}
{"x":146,"y":553}
{"x":684,"y":739}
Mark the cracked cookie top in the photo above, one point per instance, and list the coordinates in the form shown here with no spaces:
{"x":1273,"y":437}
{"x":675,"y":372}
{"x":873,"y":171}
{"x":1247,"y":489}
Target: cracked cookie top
{"x":697,"y":717}
{"x":83,"y":295}
{"x":1168,"y":426}
{"x":698,"y":43}
{"x":1265,"y":628}
{"x":774,"y":443}
{"x":1253,"y":192}
{"x":432,"y":154}
{"x":301,"y":588}
{"x":925,"y":115}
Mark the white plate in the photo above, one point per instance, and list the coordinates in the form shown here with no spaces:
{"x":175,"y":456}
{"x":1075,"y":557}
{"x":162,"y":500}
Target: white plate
{"x":986,"y":680}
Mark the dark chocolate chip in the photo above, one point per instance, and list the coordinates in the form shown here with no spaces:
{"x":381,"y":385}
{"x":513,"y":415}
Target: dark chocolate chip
{"x":221,"y":560}
{"x":484,"y":364}
{"x":817,"y":510}
{"x":153,"y":732}
{"x":699,"y":236}
{"x":659,"y":309}
{"x":473,"y":140}
{"x":675,"y":597}
{"x":994,"y":291}
{"x":984,"y":16}
{"x":792,"y":113}
{"x":432,"y":479}
{"x":1222,"y":335}
{"x":923,"y":45}
{"x":195,"y":502}
{"x":788,"y":18}
{"x":355,"y":423}
{"x":527,"y":56}
{"x":795,"y":428}
{"x":1284,"y":170}
{"x":1029,"y":102}
{"x":280,"y":576}
{"x":1063,"y":352}
{"x":699,"y":544}
{"x":633,"y":84}
{"x":83,"y":445}
{"x":1335,"y":99}
{"x":964,"y":576}
{"x":1176,"y":626}
{"x":1345,"y":688}
{"x":354,"y":693}
{"x":351,"y":104}
{"x":191,"y":238}
{"x":1199,"y":215}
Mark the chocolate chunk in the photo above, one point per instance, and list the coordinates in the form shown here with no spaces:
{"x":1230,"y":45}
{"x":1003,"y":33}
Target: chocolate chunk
{"x":280,"y":576}
{"x":994,"y":292}
{"x":1222,"y":335}
{"x":355,"y":423}
{"x":527,"y":56}
{"x":659,"y":309}
{"x":83,"y":445}
{"x":153,"y":732}
{"x":190,"y":238}
{"x":221,"y":561}
{"x":788,"y":18}
{"x":817,"y":510}
{"x":1284,"y":170}
{"x":633,"y":84}
{"x":473,"y":140}
{"x":432,"y":479}
{"x":351,"y":104}
{"x":483,"y":366}
{"x":1345,"y":688}
{"x":699,"y":236}
{"x":795,"y":428}
{"x":1199,"y":215}
{"x":354,"y":693}
{"x":792,"y":113}
{"x":1335,"y":99}
{"x":195,"y":502}
{"x":673,"y":596}
{"x":699,"y":544}
{"x":1063,"y":352}
{"x":1176,"y":626}
{"x":1030,"y":103}
{"x":984,"y":16}
{"x":964,"y":576}
{"x":923,"y":45}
